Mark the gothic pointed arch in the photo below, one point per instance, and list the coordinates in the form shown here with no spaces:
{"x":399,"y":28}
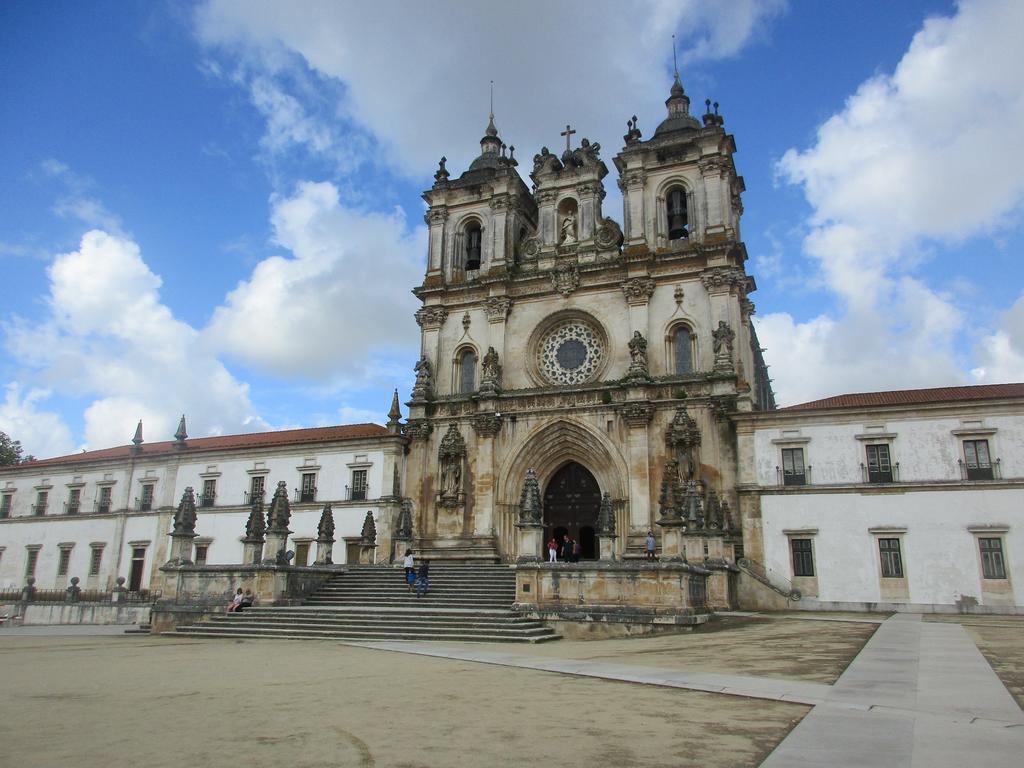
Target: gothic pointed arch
{"x":550,"y":447}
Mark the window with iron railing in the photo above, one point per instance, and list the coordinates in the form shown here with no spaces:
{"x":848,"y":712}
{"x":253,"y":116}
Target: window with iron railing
{"x":359,"y":485}
{"x":103,"y":503}
{"x":146,"y":502}
{"x":249,"y":498}
{"x":6,"y":503}
{"x":39,"y":508}
{"x":879,"y":468}
{"x":209,"y":494}
{"x":793,"y":471}
{"x":977,"y":463}
{"x":308,"y":490}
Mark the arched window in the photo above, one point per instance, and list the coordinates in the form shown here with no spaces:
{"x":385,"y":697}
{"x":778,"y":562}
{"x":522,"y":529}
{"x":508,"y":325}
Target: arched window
{"x":474,"y":239}
{"x":675,"y":209}
{"x":467,"y":372}
{"x":682,"y":351}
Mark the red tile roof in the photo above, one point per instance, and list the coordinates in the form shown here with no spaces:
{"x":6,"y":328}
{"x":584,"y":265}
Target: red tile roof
{"x":225,"y":442}
{"x":913,"y":397}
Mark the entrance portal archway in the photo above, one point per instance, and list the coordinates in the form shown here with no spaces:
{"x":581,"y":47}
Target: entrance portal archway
{"x":572,"y":500}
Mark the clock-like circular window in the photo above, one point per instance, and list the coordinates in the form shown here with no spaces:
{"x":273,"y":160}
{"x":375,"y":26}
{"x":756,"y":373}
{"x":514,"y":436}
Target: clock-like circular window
{"x":570,"y":353}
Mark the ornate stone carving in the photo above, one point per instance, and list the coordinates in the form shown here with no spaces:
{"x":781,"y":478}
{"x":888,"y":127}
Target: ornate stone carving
{"x":670,"y":495}
{"x":692,"y":509}
{"x":608,"y":234}
{"x":634,"y":177}
{"x":530,"y":509}
{"x":403,"y":523}
{"x":418,"y":429}
{"x":606,"y":516}
{"x":723,"y":278}
{"x":747,"y":308}
{"x":325,"y":528}
{"x":369,"y":532}
{"x":678,"y":294}
{"x":567,"y":229}
{"x":710,"y":166}
{"x":424,"y":385}
{"x":587,"y":155}
{"x":637,"y":414}
{"x":531,"y":247}
{"x":466,"y":320}
{"x":638,"y":290}
{"x":442,"y":172}
{"x":450,"y":458}
{"x":713,"y":512}
{"x":280,"y":510}
{"x":545,"y":163}
{"x":499,"y":203}
{"x":723,"y":337}
{"x":570,"y":353}
{"x":682,"y":438}
{"x":436,"y":216}
{"x":256,"y":525}
{"x":547,"y":196}
{"x":431,"y":317}
{"x":487,"y":424}
{"x":633,"y":133}
{"x":721,"y":406}
{"x":565,"y":278}
{"x":490,"y":378}
{"x":638,"y":359}
{"x":497,"y":308}
{"x":583,"y":190}
{"x":185,"y":516}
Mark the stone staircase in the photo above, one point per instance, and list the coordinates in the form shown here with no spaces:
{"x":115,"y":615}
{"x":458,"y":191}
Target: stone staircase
{"x":467,"y":602}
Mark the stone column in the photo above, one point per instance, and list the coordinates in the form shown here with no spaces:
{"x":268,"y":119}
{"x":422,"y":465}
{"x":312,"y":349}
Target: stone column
{"x":277,"y":532}
{"x":436,"y":218}
{"x":606,"y":528}
{"x":631,"y":182}
{"x":499,"y":204}
{"x":637,"y":415}
{"x":325,"y":537}
{"x":184,"y":530}
{"x":486,"y":425}
{"x":369,"y":540}
{"x":530,"y":529}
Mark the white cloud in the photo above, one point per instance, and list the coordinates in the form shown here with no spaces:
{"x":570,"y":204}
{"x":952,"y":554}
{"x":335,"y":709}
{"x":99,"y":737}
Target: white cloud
{"x":339,"y":304}
{"x":109,"y":339}
{"x":75,"y":202}
{"x":415,"y":75}
{"x":933,"y":152}
{"x":41,"y":433}
{"x":1001,"y":354}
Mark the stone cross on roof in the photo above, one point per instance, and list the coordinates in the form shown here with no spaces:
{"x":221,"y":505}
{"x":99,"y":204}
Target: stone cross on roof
{"x":568,"y":132}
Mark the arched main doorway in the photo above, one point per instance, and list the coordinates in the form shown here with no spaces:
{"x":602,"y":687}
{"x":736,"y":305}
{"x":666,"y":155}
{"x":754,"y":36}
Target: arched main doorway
{"x":571,"y":503}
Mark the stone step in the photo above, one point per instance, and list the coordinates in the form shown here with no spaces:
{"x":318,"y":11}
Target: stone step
{"x":348,"y":618}
{"x":198,"y":630}
{"x":418,"y":608}
{"x":394,"y":626}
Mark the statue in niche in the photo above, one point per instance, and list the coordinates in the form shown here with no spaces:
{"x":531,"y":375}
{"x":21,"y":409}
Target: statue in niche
{"x":569,"y":228}
{"x":491,"y":380}
{"x":638,"y":352}
{"x":451,"y":475}
{"x":722,"y":338}
{"x":424,"y":379}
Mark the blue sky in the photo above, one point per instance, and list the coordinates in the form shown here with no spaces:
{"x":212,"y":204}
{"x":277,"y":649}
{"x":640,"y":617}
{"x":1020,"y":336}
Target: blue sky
{"x":215,"y":208}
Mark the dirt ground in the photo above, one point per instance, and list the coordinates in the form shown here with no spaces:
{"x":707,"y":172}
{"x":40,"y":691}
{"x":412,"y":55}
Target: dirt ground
{"x":793,"y":649}
{"x":112,"y":701}
{"x":1001,"y":641}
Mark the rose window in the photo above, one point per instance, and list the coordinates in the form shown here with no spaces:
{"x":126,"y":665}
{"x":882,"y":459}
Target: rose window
{"x":570,"y":353}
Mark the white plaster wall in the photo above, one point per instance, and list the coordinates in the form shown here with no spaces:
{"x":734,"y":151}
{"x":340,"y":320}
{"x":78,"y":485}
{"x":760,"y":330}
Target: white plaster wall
{"x":83,"y":530}
{"x":234,"y":480}
{"x":925,"y":447}
{"x":940,"y":555}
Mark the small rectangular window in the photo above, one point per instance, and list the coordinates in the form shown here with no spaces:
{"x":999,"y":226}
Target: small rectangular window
{"x":302,"y":553}
{"x":146,"y":503}
{"x":201,"y":552}
{"x":103,"y":506}
{"x":30,"y":562}
{"x":879,"y":464}
{"x":256,"y":486}
{"x":42,"y":497}
{"x":977,"y":460}
{"x":803,"y":557}
{"x":793,"y":472}
{"x":65,"y":561}
{"x":209,"y":493}
{"x":308,"y":487}
{"x":6,"y":502}
{"x":892,"y":563}
{"x":95,"y":561}
{"x":992,"y":565}
{"x":358,"y":484}
{"x":74,"y":501}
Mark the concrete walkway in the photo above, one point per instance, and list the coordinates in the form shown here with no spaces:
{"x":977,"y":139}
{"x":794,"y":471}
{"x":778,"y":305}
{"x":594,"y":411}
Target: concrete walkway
{"x":918,"y":694}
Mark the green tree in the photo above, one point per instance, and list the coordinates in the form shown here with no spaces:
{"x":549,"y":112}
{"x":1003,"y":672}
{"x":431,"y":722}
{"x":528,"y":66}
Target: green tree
{"x":10,"y":451}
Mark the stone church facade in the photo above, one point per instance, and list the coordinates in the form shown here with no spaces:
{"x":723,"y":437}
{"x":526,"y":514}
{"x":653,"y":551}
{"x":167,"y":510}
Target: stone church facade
{"x":606,"y":358}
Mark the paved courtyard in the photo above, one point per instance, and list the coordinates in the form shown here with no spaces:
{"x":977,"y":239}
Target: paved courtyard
{"x":727,"y":696}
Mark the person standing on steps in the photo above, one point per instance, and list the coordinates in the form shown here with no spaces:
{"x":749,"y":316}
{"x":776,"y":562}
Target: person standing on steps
{"x":650,"y":545}
{"x":552,"y":550}
{"x":423,"y":582}
{"x":410,"y":569}
{"x":577,"y":550}
{"x":566,"y":549}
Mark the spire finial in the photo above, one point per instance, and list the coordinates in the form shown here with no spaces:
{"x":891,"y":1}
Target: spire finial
{"x":492,"y":99}
{"x":675,"y":66}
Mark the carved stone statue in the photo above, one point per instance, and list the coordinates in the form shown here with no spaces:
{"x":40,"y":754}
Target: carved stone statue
{"x":490,"y":381}
{"x":450,"y":458}
{"x":185,"y":516}
{"x":606,"y":516}
{"x":280,"y":510}
{"x":638,"y":357}
{"x":403,"y":523}
{"x":530,"y":509}
{"x":568,"y":229}
{"x":325,"y":529}
{"x":369,"y":532}
{"x":424,"y":380}
{"x":256,"y":525}
{"x":722,"y":338}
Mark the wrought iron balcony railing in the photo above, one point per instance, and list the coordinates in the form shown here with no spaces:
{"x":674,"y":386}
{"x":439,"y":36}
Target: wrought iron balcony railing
{"x":979,"y":471}
{"x":789,"y":477}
